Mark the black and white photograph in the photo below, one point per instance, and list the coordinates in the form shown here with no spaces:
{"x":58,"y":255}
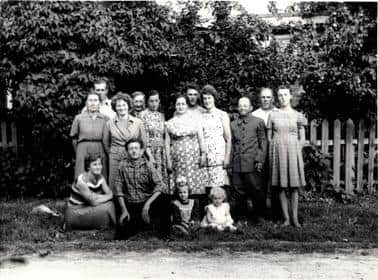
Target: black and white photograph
{"x":177,"y":139}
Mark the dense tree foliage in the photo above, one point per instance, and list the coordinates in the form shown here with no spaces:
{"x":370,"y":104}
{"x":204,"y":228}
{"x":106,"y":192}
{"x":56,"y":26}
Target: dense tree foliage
{"x":336,"y":61}
{"x":50,"y":53}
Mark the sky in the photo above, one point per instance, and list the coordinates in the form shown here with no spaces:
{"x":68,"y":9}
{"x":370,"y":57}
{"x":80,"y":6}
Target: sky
{"x":255,"y":7}
{"x":261,"y":6}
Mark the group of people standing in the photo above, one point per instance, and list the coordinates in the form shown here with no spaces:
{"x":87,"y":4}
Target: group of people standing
{"x":163,"y":173}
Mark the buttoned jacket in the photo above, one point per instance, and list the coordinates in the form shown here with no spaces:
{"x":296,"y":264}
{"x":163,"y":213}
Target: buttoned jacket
{"x":249,"y":143}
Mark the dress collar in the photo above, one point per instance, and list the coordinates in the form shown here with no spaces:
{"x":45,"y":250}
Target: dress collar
{"x":130,"y":119}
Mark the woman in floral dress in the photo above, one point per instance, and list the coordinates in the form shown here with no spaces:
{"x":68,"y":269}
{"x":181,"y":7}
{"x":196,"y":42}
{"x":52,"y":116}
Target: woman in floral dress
{"x":154,"y":126}
{"x":286,"y":135}
{"x":217,"y":137}
{"x":185,"y":149}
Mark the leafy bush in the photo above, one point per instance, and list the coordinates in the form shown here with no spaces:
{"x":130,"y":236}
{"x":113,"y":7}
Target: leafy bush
{"x":23,"y":175}
{"x":317,"y":168}
{"x":50,"y":53}
{"x":335,"y":62}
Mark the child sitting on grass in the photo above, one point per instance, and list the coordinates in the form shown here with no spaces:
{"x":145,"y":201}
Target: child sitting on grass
{"x":184,"y":210}
{"x":218,"y":212}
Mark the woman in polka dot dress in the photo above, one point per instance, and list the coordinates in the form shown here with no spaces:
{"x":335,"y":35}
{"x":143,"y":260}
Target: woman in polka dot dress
{"x":185,"y":149}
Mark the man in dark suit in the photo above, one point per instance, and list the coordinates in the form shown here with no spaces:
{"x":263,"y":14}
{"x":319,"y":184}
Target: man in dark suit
{"x":249,"y":148}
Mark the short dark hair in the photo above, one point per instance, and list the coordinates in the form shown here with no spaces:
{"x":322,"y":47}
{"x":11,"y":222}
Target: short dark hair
{"x":180,"y":95}
{"x":92,"y":92}
{"x":153,"y":92}
{"x":209,"y":90}
{"x":137,"y":93}
{"x":191,"y":86}
{"x":91,"y":158}
{"x":121,"y":96}
{"x":101,"y":81}
{"x":247,"y":97}
{"x":134,"y":140}
{"x":265,"y":88}
{"x":284,"y":87}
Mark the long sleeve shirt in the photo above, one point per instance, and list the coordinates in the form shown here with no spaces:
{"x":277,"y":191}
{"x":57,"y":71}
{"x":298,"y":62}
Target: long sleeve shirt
{"x":249,"y":143}
{"x":137,"y":180}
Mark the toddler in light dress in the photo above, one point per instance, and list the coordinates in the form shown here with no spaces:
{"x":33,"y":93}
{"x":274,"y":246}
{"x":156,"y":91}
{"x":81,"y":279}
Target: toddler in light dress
{"x":218,"y":212}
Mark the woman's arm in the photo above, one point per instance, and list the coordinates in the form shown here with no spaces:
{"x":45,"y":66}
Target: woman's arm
{"x":302,"y":137}
{"x":227,"y":138}
{"x":269,"y":129}
{"x":167,"y":142}
{"x":74,"y":144}
{"x":106,"y":136}
{"x":201,"y":143}
{"x":146,"y":142}
{"x":105,"y":187}
{"x":74,"y":133}
{"x":92,"y":198}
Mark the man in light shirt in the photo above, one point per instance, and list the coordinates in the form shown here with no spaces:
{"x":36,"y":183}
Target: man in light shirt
{"x":194,"y":99}
{"x":266,"y":102}
{"x":101,"y":88}
{"x":272,"y":201}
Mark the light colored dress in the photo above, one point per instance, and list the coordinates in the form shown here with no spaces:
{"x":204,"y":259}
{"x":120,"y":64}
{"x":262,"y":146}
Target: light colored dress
{"x":80,"y":215}
{"x":217,"y":216}
{"x":154,"y":127}
{"x":215,"y":146}
{"x":285,"y":151}
{"x":185,"y":154}
{"x":116,"y":133}
{"x":88,"y":132}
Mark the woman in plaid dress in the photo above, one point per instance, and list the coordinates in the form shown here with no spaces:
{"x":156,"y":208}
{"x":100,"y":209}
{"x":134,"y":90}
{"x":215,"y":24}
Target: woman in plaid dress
{"x":287,"y":135}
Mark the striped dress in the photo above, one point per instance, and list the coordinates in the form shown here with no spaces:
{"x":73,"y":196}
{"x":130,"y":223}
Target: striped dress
{"x":285,"y":151}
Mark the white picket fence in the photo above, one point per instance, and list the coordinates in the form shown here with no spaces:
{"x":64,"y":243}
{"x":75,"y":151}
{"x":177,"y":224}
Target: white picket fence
{"x":343,"y":151}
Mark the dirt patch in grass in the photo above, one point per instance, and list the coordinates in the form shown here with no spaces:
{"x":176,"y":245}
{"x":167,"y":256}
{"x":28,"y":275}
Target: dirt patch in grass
{"x":327,"y":226}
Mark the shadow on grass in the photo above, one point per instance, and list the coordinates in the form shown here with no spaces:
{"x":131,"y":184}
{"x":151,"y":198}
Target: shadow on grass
{"x":327,"y":226}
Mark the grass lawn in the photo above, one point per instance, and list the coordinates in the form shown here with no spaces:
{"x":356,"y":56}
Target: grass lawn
{"x":328,"y":226}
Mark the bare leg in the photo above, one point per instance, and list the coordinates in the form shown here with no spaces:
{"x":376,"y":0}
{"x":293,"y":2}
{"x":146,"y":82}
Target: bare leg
{"x":294,"y":207}
{"x":285,"y":208}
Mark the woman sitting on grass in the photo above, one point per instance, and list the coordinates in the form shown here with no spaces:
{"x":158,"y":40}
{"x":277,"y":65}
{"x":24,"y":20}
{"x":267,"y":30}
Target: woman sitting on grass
{"x":90,"y":205}
{"x":218,"y":212}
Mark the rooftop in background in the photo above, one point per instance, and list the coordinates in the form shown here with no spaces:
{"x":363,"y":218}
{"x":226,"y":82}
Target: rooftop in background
{"x":287,"y":18}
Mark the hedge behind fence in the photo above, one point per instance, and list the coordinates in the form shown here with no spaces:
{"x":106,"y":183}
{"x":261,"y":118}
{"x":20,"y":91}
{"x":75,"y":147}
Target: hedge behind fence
{"x":50,"y":52}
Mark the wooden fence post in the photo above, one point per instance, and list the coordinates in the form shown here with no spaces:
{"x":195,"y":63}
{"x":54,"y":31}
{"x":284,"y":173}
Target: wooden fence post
{"x":14,"y":137}
{"x":360,"y":154}
{"x":313,"y":134}
{"x":4,"y":140}
{"x":336,"y":154}
{"x":349,"y":156}
{"x":325,"y":132}
{"x":371,"y":158}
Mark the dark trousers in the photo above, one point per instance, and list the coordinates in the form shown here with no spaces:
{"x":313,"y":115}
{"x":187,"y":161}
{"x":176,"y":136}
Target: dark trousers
{"x":247,"y":186}
{"x":160,"y":218}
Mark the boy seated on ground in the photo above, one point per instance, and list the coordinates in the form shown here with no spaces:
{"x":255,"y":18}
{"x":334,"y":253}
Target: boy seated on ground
{"x":138,"y":190}
{"x":184,"y":210}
